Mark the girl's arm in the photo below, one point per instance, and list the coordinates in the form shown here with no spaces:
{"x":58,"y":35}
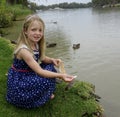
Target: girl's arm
{"x":56,"y":62}
{"x":47,"y":59}
{"x":28,"y":58}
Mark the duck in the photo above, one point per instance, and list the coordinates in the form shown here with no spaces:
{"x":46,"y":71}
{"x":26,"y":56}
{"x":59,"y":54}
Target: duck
{"x":55,"y":22}
{"x":49,"y":45}
{"x":76,"y":46}
{"x":13,"y":41}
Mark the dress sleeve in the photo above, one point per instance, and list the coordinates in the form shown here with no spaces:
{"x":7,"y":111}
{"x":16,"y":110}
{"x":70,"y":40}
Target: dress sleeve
{"x":19,"y":48}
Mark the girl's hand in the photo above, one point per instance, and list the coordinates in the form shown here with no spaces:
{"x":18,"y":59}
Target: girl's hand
{"x":67,"y":78}
{"x":56,"y":62}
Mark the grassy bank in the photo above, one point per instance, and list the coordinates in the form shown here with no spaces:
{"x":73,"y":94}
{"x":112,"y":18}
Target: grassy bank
{"x":13,"y":32}
{"x":78,"y":101}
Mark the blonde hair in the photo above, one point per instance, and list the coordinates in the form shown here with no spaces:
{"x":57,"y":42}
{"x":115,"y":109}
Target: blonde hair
{"x":22,"y":39}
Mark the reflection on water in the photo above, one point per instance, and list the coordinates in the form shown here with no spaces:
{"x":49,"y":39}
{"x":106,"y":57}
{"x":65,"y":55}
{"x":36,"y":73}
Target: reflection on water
{"x":98,"y":58}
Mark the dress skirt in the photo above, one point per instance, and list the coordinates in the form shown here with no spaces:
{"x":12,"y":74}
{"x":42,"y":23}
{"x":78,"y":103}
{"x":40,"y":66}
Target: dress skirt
{"x":27,"y":89}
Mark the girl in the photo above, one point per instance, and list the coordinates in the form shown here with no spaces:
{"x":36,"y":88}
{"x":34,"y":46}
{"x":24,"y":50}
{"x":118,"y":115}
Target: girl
{"x":29,"y":84}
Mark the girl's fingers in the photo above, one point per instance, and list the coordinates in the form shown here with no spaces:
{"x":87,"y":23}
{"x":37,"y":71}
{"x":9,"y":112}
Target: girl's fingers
{"x":69,"y":79}
{"x":74,"y":76}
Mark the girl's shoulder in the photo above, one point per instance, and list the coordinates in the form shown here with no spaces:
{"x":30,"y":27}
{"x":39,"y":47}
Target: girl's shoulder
{"x":20,"y":47}
{"x":23,"y":46}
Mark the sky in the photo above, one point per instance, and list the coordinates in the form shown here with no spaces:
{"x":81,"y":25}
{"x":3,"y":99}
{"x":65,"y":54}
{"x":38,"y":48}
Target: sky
{"x":49,"y":2}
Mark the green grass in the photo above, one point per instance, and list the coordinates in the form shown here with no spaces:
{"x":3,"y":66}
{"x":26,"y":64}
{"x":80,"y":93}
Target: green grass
{"x":13,"y":32}
{"x":19,"y":10}
{"x":67,"y":103}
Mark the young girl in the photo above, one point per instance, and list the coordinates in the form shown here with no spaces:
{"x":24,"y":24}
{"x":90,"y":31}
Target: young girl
{"x":29,"y":84}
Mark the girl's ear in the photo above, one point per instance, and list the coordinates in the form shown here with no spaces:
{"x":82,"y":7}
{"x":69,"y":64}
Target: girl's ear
{"x":25,"y":31}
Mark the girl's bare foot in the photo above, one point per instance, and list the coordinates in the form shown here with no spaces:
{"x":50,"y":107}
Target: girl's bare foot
{"x":52,"y":96}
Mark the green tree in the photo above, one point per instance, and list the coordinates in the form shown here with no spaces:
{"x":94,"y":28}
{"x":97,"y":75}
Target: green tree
{"x":23,"y":2}
{"x":2,"y":3}
{"x":104,"y":2}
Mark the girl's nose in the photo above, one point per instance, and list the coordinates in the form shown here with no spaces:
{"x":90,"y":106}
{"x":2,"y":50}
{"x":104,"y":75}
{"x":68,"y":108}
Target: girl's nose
{"x":37,"y":32}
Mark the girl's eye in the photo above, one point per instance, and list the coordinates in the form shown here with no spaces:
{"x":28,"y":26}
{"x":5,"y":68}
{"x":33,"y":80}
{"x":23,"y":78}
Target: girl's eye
{"x":40,"y":30}
{"x":34,"y":29}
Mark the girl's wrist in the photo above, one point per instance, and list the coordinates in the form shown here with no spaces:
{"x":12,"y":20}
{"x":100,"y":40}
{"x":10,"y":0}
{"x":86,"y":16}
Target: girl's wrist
{"x":52,"y":60}
{"x":60,"y":75}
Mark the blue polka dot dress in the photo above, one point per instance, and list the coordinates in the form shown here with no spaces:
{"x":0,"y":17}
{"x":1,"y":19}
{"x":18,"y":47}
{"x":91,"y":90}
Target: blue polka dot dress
{"x":27,"y":89}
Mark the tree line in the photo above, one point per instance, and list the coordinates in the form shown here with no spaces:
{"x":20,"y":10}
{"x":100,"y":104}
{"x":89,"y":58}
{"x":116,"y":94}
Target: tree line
{"x":65,"y":5}
{"x":100,"y":3}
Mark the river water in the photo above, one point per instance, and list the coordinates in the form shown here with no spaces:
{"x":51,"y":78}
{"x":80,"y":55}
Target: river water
{"x":98,"y":59}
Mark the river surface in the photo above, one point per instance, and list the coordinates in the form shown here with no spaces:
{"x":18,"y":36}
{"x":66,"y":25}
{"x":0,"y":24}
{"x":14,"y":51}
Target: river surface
{"x":98,"y":59}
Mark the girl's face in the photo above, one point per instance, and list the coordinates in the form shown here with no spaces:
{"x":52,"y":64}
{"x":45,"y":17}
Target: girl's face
{"x":35,"y":31}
